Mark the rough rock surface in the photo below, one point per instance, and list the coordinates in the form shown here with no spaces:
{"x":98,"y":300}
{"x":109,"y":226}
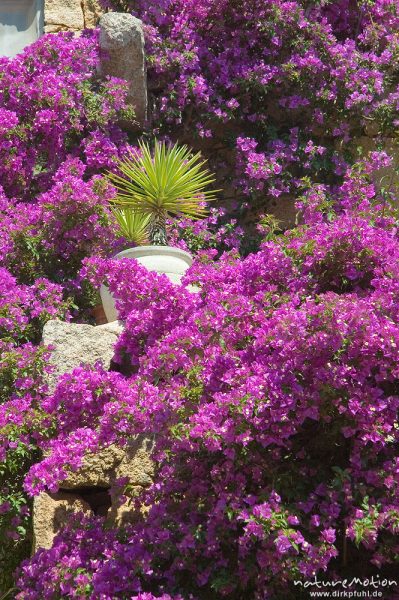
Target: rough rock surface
{"x":70,"y":15}
{"x":61,"y":15}
{"x":136,"y":464}
{"x":91,"y":13}
{"x":112,"y":463}
{"x":122,"y":47}
{"x":50,"y":513}
{"x":123,"y":514}
{"x":91,"y":489}
{"x":76,"y":344}
{"x":98,"y":470}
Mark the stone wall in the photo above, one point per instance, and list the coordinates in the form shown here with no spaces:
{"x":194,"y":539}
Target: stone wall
{"x":70,"y":15}
{"x":388,"y":177}
{"x":90,"y":489}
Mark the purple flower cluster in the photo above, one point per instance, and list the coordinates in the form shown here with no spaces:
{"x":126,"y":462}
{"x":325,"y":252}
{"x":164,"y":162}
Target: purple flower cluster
{"x":278,"y":89}
{"x":49,"y":239}
{"x":59,"y":129}
{"x":271,"y":393}
{"x":87,"y":537}
{"x":51,"y":108}
{"x":23,"y":312}
{"x":24,"y":309}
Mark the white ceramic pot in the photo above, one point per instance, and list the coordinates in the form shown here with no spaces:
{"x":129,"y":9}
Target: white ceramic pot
{"x":161,"y":259}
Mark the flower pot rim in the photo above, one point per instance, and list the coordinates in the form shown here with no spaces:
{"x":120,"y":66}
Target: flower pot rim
{"x":156,"y":250}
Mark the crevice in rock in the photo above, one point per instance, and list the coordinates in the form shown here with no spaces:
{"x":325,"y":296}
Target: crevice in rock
{"x":97,"y":498}
{"x":82,"y":6}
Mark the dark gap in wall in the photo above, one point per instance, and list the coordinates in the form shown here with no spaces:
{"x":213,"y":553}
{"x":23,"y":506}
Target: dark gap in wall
{"x":98,"y":498}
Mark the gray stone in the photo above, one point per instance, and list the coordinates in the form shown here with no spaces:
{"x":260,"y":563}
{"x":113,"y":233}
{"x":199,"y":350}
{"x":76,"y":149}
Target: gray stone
{"x":76,"y":344}
{"x":123,"y":56}
{"x":50,"y":513}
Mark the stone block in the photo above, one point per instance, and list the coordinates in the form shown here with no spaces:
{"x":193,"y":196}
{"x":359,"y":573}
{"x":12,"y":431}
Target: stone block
{"x":76,"y":344}
{"x":93,"y":488}
{"x":91,"y":13}
{"x":63,"y":15}
{"x":136,"y":464}
{"x":103,"y":468}
{"x":70,"y":15}
{"x":126,"y":513}
{"x":51,"y":513}
{"x":122,"y":56}
{"x":98,"y":470}
{"x":89,"y":490}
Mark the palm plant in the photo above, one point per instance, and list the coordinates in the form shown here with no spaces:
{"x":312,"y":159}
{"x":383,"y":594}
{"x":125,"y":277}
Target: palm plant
{"x":169,"y":181}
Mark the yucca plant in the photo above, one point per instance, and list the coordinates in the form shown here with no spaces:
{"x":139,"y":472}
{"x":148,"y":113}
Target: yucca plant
{"x":132,"y":225}
{"x":169,"y":181}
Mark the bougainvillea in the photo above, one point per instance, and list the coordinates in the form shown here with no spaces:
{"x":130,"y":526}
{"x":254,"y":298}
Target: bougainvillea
{"x":276,"y":89}
{"x":23,"y":312}
{"x":59,"y":128}
{"x":271,"y":387}
{"x":52,"y":106}
{"x":271,"y":394}
{"x":68,"y":222}
{"x":24,"y":309}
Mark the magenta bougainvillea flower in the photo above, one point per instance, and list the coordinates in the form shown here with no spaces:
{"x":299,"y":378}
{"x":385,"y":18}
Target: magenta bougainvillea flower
{"x":271,"y":393}
{"x":271,"y":396}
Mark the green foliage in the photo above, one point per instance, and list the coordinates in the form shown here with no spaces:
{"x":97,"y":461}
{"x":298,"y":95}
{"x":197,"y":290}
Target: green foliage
{"x":171,"y":181}
{"x":15,"y":516}
{"x":30,"y":259}
{"x":13,"y":370}
{"x":133,"y":225}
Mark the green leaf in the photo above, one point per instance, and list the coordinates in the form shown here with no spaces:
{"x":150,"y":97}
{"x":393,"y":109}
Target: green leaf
{"x":132,"y":225}
{"x":169,"y":181}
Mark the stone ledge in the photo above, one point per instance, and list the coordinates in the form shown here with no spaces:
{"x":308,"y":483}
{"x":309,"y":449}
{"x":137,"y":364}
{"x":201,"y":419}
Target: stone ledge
{"x":103,"y":468}
{"x":89,"y":490}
